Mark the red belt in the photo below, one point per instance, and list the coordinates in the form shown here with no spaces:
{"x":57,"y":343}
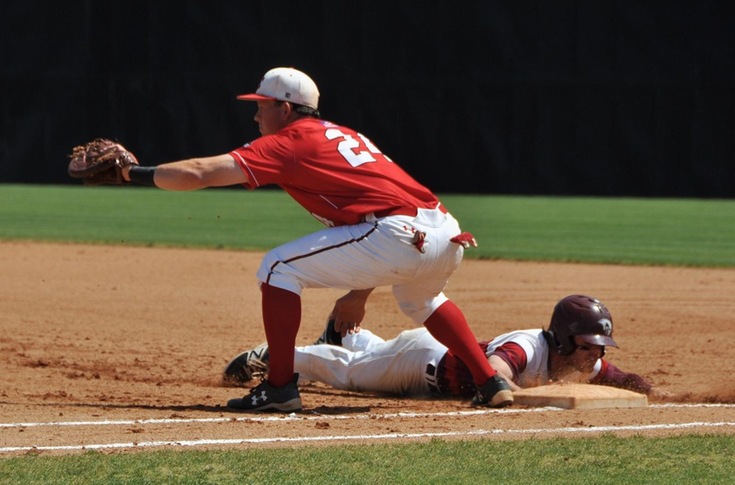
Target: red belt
{"x":403,"y":211}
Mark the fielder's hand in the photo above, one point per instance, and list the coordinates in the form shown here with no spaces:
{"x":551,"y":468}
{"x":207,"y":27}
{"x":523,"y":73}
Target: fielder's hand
{"x":349,"y":311}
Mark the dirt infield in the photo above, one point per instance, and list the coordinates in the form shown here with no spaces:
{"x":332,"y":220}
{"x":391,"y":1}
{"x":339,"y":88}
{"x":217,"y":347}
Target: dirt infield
{"x":138,"y":364}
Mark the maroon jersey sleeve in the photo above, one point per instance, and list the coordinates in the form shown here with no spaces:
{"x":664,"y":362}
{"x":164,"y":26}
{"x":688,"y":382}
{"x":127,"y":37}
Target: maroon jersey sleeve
{"x":513,"y":355}
{"x":610,"y":375}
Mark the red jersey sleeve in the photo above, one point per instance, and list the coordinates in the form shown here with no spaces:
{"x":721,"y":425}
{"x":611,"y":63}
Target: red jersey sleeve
{"x":266,"y":161}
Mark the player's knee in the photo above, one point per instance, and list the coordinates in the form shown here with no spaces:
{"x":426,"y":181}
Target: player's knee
{"x":416,"y":307}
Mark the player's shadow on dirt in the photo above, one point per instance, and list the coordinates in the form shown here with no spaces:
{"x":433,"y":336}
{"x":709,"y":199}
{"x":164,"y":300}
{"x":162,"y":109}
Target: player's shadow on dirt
{"x":374,"y":401}
{"x":218,"y":408}
{"x":184,"y":407}
{"x":177,"y":408}
{"x":336,"y":410}
{"x":323,"y":410}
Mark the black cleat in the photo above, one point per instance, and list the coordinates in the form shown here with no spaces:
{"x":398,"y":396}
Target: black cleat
{"x":330,"y":335}
{"x":265,"y":397}
{"x":495,"y":393}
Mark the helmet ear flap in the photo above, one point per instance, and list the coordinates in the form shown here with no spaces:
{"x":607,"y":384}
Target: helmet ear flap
{"x":562,"y":347}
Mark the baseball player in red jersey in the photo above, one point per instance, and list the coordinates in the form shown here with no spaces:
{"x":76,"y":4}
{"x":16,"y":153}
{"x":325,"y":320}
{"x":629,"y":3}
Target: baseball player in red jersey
{"x":384,"y":229}
{"x":415,"y":364}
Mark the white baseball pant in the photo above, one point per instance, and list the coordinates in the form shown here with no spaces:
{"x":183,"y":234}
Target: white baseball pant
{"x":367,"y":363}
{"x":377,"y":252}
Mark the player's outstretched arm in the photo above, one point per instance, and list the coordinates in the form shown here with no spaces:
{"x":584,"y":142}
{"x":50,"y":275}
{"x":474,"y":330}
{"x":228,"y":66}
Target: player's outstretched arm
{"x":191,"y":174}
{"x":615,"y":377}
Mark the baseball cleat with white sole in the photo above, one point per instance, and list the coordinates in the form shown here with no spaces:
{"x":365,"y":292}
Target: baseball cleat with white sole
{"x":265,"y":397}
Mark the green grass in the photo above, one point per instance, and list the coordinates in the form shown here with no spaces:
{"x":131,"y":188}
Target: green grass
{"x":605,"y":230}
{"x":610,"y":230}
{"x":600,"y":460}
{"x":234,"y":219}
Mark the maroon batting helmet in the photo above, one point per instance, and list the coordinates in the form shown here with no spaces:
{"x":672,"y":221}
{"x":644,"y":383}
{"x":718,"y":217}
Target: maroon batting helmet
{"x":580,"y":316}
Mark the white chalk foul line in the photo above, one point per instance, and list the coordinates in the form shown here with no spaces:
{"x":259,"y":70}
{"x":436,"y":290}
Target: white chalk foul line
{"x":388,"y":436}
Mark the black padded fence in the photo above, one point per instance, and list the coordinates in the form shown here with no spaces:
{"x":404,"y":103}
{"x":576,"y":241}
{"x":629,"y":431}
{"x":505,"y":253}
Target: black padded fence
{"x":618,"y":98}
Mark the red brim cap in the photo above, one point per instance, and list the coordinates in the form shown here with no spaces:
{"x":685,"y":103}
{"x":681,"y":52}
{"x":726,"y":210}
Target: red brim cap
{"x":254,"y":97}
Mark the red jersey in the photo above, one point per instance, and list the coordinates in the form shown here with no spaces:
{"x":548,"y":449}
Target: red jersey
{"x":335,"y":173}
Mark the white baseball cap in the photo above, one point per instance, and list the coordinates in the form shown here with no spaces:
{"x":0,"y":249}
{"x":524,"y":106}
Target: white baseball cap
{"x":286,"y":84}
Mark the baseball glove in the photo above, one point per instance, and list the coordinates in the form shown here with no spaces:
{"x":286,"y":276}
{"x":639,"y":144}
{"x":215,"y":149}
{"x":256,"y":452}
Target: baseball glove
{"x":100,"y":162}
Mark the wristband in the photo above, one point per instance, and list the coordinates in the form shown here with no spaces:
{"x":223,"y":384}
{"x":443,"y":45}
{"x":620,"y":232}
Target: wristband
{"x":142,"y":175}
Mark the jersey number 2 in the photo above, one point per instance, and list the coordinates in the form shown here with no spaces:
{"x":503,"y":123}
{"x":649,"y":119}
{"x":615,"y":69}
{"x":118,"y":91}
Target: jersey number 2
{"x":348,"y":145}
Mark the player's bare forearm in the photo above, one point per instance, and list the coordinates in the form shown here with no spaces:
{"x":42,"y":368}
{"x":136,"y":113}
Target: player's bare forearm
{"x":197,"y":173}
{"x":349,"y":311}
